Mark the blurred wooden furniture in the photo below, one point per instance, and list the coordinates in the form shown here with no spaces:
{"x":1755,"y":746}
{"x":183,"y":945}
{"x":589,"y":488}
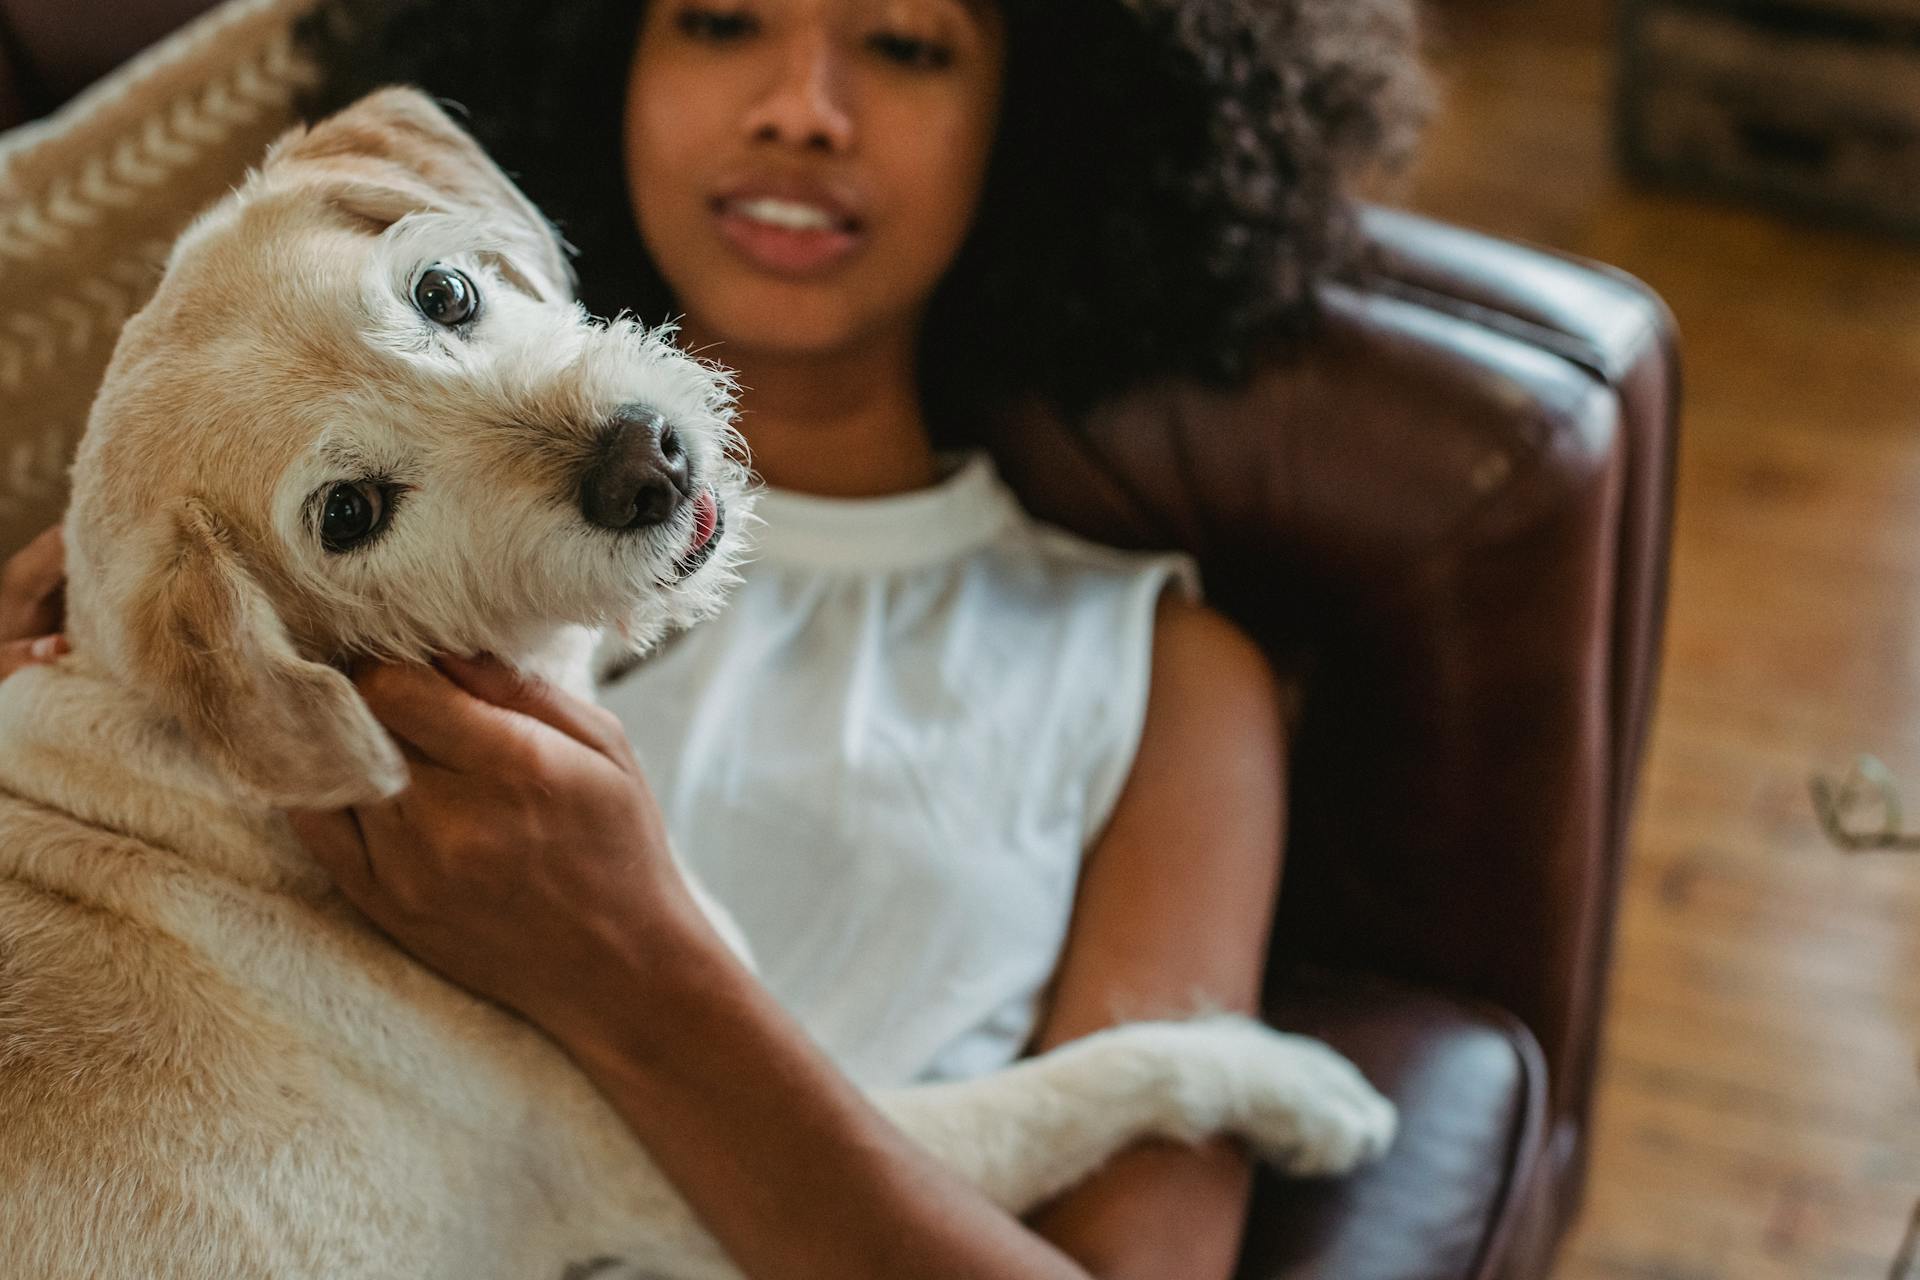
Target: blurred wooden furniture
{"x":1809,"y":105}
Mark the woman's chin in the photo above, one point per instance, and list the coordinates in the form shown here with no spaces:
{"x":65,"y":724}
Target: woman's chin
{"x":773,"y":317}
{"x":791,"y":339}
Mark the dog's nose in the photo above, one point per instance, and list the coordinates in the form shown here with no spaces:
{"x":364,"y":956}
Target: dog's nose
{"x":640,"y":476}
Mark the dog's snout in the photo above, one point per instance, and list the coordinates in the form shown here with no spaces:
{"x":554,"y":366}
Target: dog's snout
{"x":640,"y":476}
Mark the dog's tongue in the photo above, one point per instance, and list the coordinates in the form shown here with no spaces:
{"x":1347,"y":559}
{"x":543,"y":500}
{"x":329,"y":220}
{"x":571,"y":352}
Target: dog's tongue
{"x":705,"y":517}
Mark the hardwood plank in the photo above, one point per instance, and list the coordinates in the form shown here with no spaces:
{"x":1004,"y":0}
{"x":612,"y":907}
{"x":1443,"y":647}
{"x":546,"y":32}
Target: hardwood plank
{"x":1759,"y":1108}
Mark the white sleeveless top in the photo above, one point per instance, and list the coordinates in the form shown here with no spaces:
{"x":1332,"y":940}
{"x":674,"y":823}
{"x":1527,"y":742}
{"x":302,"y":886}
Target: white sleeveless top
{"x":887,"y":754}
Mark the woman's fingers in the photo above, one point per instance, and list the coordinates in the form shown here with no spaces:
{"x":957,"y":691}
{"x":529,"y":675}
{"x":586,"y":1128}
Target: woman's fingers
{"x":443,"y":722}
{"x":332,"y":837}
{"x":32,"y":603}
{"x":379,"y":853}
{"x":469,"y":714}
{"x":494,"y":681}
{"x":32,"y":586}
{"x":15,"y":654}
{"x":37,"y":567}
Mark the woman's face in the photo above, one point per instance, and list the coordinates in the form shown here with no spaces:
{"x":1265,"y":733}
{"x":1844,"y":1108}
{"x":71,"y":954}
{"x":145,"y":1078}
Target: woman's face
{"x":805,"y":170}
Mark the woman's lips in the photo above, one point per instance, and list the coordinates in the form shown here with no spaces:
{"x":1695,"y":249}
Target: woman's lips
{"x":784,"y":250}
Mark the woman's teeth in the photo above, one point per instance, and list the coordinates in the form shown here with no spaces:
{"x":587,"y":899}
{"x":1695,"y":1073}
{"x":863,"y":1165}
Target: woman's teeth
{"x":781,"y":213}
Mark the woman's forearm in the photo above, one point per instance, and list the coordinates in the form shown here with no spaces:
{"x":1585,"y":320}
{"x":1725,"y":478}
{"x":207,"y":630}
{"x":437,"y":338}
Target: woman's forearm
{"x":529,"y":828}
{"x":789,"y":1166}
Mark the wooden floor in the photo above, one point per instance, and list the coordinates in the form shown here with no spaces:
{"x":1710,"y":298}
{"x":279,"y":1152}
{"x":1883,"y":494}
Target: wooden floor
{"x":1760,"y":1106}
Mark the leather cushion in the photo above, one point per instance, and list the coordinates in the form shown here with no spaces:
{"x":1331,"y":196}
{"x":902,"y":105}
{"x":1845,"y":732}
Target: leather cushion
{"x":1470,"y":1083}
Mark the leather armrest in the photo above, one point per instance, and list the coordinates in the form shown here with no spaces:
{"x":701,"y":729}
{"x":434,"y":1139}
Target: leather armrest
{"x":1451,"y":508}
{"x":1450,"y":1197}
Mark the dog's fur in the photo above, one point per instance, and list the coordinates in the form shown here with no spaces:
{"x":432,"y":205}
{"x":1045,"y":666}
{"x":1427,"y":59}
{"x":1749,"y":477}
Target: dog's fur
{"x":210,"y":1066}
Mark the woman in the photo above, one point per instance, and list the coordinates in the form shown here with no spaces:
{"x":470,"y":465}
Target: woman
{"x":947,"y":844}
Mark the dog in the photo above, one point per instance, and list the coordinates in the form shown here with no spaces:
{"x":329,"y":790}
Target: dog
{"x":363,"y":415}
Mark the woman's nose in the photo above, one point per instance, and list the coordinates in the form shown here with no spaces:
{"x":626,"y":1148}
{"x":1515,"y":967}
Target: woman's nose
{"x":806,"y":105}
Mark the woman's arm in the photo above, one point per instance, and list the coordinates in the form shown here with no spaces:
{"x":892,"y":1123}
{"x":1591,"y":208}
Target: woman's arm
{"x":526,"y":861}
{"x":1174,"y":907}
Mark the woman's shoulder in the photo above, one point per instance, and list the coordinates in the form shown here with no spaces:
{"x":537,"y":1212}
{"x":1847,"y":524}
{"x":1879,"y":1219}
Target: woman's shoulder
{"x":1197,"y":647}
{"x":1074,"y":562}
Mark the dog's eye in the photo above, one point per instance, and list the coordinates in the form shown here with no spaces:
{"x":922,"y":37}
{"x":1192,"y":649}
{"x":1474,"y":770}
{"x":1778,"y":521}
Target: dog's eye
{"x":446,"y":297}
{"x":354,"y":513}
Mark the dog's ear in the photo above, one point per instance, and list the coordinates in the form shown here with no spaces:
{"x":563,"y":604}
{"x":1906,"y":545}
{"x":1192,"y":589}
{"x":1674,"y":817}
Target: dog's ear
{"x":395,"y":152}
{"x":205,"y":640}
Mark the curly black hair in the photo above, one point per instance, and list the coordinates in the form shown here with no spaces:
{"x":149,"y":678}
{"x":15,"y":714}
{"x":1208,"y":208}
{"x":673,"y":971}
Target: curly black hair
{"x":1169,"y":183}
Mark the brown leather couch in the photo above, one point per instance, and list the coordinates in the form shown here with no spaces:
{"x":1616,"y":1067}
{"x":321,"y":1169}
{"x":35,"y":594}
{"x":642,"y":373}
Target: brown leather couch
{"x":1451,"y":517}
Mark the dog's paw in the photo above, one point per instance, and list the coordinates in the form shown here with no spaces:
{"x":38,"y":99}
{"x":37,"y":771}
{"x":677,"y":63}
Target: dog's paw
{"x":1303,"y":1107}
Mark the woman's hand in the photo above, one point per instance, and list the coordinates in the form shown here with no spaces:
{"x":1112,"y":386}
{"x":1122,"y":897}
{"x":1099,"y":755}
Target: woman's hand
{"x":526,"y":860}
{"x":33,"y":589}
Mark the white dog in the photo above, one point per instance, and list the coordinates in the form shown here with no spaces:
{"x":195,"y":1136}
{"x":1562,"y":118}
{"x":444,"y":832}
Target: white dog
{"x":362,"y":415}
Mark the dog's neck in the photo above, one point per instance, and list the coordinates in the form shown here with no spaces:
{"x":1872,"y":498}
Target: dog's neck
{"x":75,"y":741}
{"x":564,"y":656}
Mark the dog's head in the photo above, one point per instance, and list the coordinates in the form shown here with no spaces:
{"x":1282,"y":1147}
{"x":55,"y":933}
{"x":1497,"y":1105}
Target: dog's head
{"x":363,"y":416}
